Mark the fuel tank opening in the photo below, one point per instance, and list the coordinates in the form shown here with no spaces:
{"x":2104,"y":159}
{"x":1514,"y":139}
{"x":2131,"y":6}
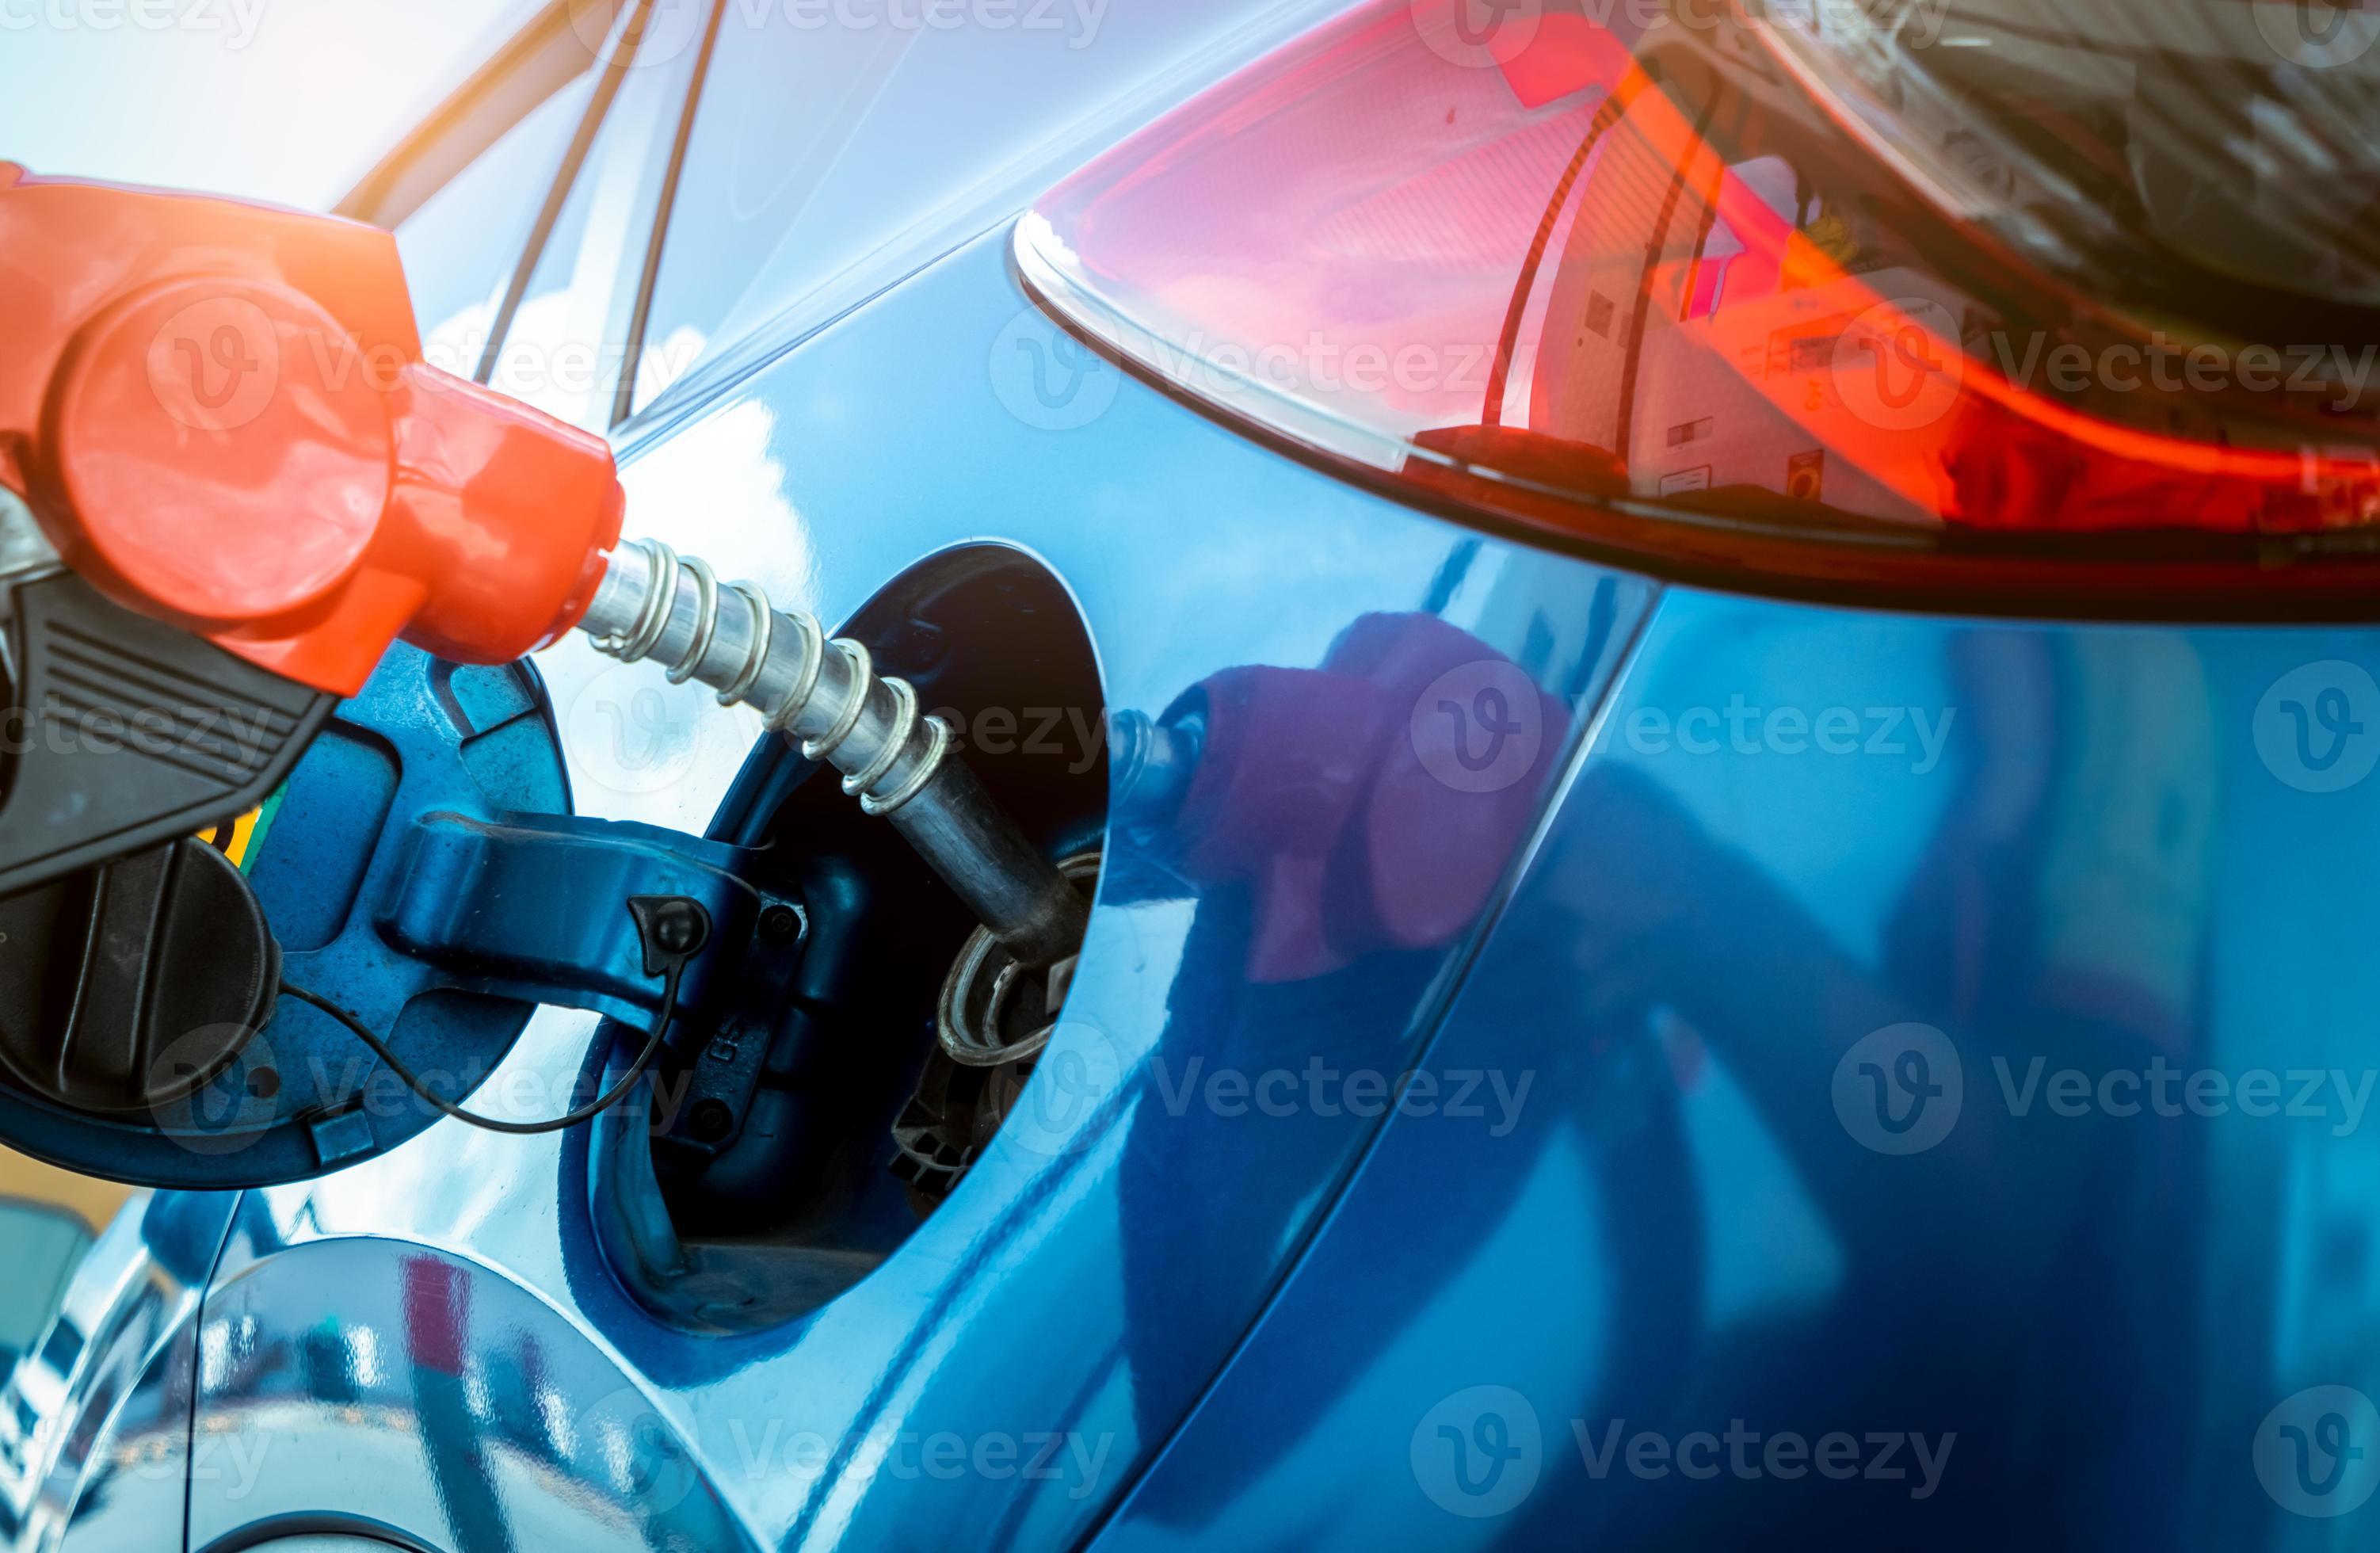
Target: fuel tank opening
{"x":995,"y":1017}
{"x":772,"y":1165}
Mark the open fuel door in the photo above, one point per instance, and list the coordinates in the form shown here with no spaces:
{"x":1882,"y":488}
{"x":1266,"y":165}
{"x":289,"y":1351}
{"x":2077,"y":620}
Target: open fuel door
{"x":418,"y":869}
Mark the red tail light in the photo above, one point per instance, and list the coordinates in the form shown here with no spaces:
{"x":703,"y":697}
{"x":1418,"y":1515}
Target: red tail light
{"x":1793,"y":302}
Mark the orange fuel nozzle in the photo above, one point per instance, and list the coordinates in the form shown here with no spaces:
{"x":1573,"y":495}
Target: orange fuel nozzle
{"x":219,"y":413}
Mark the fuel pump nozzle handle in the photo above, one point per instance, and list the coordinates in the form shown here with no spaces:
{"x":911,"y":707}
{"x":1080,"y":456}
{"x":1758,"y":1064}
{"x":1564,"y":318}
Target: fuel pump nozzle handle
{"x":219,"y":417}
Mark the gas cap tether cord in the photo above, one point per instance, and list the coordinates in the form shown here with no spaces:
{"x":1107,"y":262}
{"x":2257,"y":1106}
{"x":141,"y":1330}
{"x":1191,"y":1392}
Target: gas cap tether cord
{"x":675,"y":929}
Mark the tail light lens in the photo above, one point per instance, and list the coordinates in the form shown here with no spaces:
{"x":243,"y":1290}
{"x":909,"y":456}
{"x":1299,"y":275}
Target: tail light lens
{"x":1815,"y":300}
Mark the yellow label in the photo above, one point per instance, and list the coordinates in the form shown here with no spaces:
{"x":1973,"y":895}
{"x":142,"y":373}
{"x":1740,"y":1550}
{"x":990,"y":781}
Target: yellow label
{"x":239,"y":842}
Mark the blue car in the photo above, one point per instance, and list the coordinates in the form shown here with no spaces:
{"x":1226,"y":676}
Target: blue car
{"x":1711,"y":669}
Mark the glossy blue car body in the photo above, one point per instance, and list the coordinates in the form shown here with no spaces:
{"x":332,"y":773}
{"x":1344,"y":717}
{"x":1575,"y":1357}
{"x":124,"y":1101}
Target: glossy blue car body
{"x":1743,"y":1202}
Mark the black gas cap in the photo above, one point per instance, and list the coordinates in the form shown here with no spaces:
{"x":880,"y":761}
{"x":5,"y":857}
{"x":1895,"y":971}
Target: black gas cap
{"x":125,"y":989}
